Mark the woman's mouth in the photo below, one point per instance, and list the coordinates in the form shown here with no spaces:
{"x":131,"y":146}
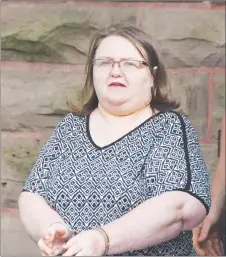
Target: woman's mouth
{"x":116,"y":84}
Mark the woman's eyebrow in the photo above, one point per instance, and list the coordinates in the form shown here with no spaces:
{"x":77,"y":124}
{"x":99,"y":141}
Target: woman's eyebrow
{"x":104,"y":57}
{"x":121,"y":59}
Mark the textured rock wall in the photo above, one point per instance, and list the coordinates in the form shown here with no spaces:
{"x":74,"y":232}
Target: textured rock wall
{"x":44,"y":48}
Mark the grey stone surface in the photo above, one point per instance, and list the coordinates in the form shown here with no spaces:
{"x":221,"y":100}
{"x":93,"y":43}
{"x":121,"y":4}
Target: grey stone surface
{"x":55,"y":33}
{"x":187,"y":38}
{"x":35,"y":98}
{"x":191,"y":89}
{"x":62,"y":33}
{"x":219,"y":102}
{"x":18,"y":155}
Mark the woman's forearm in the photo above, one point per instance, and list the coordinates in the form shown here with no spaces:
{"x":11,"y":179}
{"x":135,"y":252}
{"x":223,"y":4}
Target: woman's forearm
{"x":218,"y":189}
{"x":155,"y":221}
{"x":36,"y":215}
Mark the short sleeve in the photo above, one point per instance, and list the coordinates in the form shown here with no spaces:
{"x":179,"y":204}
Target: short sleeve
{"x":37,"y":182}
{"x":198,"y":177}
{"x":176,"y":161}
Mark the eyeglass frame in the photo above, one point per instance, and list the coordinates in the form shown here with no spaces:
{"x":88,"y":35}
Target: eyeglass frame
{"x":121,"y":60}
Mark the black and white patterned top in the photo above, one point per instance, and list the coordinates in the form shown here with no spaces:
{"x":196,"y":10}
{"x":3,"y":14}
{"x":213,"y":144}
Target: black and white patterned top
{"x":91,"y":186}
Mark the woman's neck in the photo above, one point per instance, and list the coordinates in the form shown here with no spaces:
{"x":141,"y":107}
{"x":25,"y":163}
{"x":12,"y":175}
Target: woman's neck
{"x":111,"y":117}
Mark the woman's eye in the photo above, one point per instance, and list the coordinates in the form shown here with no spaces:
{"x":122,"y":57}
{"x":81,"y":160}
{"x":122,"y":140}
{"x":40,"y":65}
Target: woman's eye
{"x":130,"y":63}
{"x":105,"y":62}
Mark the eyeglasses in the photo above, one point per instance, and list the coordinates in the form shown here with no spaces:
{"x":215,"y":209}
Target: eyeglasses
{"x":124,"y":65}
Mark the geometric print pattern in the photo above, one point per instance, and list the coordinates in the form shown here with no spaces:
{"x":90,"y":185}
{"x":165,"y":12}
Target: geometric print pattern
{"x":90,"y":186}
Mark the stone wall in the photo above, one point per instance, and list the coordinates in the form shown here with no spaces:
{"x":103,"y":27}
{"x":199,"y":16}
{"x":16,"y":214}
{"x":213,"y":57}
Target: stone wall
{"x":44,"y":48}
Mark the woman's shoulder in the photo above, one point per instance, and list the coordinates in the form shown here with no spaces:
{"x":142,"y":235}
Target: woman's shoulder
{"x":70,"y":122}
{"x":181,"y":124}
{"x":72,"y":118}
{"x":177,"y":117}
{"x":176,"y":120}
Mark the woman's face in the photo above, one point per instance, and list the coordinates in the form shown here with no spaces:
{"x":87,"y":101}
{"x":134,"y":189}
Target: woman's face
{"x":128,"y":87}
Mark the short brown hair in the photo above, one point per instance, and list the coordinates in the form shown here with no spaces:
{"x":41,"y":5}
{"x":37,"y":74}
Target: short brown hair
{"x":160,"y":100}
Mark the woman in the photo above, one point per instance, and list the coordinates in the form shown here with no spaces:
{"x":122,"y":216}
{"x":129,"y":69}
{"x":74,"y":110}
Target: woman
{"x":126,"y":175}
{"x":206,"y":236}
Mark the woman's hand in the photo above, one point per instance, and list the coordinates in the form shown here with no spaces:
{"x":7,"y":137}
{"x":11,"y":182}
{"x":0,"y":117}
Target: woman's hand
{"x":86,"y":243}
{"x":206,"y":239}
{"x":51,"y":244}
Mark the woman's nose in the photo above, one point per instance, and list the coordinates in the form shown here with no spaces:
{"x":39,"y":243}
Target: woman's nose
{"x":116,"y":71}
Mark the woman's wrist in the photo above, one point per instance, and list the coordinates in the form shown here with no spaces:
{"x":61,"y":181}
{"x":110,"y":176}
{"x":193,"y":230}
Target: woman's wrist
{"x":214,"y":213}
{"x":58,"y":225}
{"x":56,"y":222}
{"x":106,"y":238}
{"x":217,"y":203}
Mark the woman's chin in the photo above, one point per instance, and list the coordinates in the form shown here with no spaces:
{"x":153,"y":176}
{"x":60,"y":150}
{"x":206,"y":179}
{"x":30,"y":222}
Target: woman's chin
{"x":116,"y":101}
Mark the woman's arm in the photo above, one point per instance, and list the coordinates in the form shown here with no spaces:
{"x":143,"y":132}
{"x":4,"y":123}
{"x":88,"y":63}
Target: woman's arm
{"x":155,"y":221}
{"x":36,"y":215}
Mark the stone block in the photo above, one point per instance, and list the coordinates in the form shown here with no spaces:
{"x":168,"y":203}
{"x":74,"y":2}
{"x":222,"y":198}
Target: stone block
{"x":35,"y":98}
{"x":187,"y":38}
{"x":191,"y":90}
{"x":55,"y":33}
{"x":62,"y":33}
{"x":19,"y":154}
{"x":219,"y":102}
{"x":10,"y":192}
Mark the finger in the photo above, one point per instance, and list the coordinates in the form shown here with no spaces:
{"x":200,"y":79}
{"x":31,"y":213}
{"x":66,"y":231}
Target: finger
{"x":72,"y":250}
{"x":53,"y":235}
{"x":59,"y":233}
{"x":70,"y":242}
{"x":204,"y":232}
{"x":205,"y":248}
{"x":82,"y":253}
{"x":199,"y":250}
{"x":48,"y":242}
{"x":49,"y":238}
{"x":58,"y":251}
{"x":210,"y":247}
{"x":218,"y":248}
{"x":44,"y":249}
{"x":195,"y":233}
{"x":197,"y":246}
